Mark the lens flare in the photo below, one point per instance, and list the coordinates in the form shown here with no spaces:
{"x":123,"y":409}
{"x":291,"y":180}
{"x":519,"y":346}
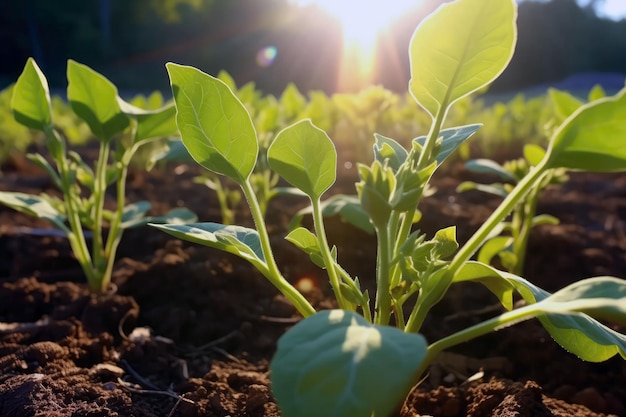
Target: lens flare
{"x":266,"y":56}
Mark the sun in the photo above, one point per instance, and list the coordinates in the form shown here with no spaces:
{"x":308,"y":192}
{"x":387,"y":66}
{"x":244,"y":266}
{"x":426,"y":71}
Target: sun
{"x":362,"y":23}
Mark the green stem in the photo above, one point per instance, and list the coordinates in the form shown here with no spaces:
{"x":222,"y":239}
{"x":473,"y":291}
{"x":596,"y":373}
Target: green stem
{"x":318,"y":222}
{"x":273,"y":273}
{"x":521,"y":243}
{"x":473,"y":244}
{"x":76,"y":236}
{"x":489,"y":326}
{"x":383,"y":264}
{"x":99,"y":194}
{"x":507,"y":205}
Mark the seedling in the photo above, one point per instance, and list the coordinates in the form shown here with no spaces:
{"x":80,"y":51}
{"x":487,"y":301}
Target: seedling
{"x":80,"y":212}
{"x":341,"y":363}
{"x":510,"y":239}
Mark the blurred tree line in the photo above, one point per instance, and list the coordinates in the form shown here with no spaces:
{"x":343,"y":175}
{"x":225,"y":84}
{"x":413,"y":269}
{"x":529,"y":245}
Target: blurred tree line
{"x":130,"y":40}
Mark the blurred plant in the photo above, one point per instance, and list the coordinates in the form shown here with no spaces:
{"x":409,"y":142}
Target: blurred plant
{"x":509,"y":240}
{"x":121,"y":129}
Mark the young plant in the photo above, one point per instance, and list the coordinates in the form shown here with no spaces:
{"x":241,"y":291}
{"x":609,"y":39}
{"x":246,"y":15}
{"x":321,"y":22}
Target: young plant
{"x":342,"y":363}
{"x":510,"y":239}
{"x":80,"y":212}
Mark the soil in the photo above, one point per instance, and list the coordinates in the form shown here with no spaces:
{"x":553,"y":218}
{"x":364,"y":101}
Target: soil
{"x":190,"y":331}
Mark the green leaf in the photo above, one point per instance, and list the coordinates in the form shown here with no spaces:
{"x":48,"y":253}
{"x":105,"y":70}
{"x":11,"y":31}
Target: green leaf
{"x":336,"y":364}
{"x":31,"y":98}
{"x":214,"y":125}
{"x":451,"y":139}
{"x":580,"y":334}
{"x":347,"y":206}
{"x":305,"y":157}
{"x":541,"y":219}
{"x":388,"y":149}
{"x":592,"y":138}
{"x":564,"y":103}
{"x":534,"y":154}
{"x":135,"y":215}
{"x":156,"y":123}
{"x":577,"y":333}
{"x":487,"y":166}
{"x":34,"y":205}
{"x":237,"y":240}
{"x":596,"y":93}
{"x":446,"y":242}
{"x":94,"y":99}
{"x":304,"y":239}
{"x":493,"y":247}
{"x":495,"y":189}
{"x":460,"y":48}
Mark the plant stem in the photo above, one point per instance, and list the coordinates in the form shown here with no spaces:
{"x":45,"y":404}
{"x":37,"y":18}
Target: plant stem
{"x":318,"y":222}
{"x":99,"y":194}
{"x":383,"y":264}
{"x":504,"y":320}
{"x":473,"y":244}
{"x":273,"y":273}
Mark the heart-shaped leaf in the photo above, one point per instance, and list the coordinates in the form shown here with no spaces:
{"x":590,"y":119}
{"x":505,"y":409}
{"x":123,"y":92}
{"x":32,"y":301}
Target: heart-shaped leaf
{"x":336,"y":364}
{"x":94,"y":99}
{"x":305,"y":157}
{"x":214,"y":125}
{"x":460,"y":48}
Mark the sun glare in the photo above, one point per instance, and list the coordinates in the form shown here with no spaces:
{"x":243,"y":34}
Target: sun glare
{"x":362,"y":23}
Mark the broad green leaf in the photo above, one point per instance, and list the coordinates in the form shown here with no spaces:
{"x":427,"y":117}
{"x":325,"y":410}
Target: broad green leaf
{"x":460,"y":48}
{"x":214,"y":125}
{"x":94,"y":99}
{"x":592,"y":138}
{"x":487,"y":166}
{"x":31,"y":98}
{"x":347,"y":206}
{"x":564,"y":103}
{"x":577,"y":333}
{"x":34,"y":205}
{"x":336,"y":364}
{"x":451,"y":139}
{"x":388,"y":149}
{"x":305,"y":157}
{"x":237,"y":240}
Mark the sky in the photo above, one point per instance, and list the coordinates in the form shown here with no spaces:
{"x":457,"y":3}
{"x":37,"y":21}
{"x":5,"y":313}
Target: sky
{"x":612,"y":9}
{"x":615,"y":9}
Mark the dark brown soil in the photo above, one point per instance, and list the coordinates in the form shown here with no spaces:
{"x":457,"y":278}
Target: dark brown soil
{"x":190,"y":331}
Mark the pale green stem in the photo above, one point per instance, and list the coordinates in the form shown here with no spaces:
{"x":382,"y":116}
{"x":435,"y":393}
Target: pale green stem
{"x":100,"y":185}
{"x":473,"y":244}
{"x":521,"y":243}
{"x":489,"y":326}
{"x":383,"y":263}
{"x":77,"y":236}
{"x":318,"y":222}
{"x":273,"y":273}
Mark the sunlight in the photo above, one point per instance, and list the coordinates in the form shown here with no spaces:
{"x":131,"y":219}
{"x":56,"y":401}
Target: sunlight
{"x":362,"y":24}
